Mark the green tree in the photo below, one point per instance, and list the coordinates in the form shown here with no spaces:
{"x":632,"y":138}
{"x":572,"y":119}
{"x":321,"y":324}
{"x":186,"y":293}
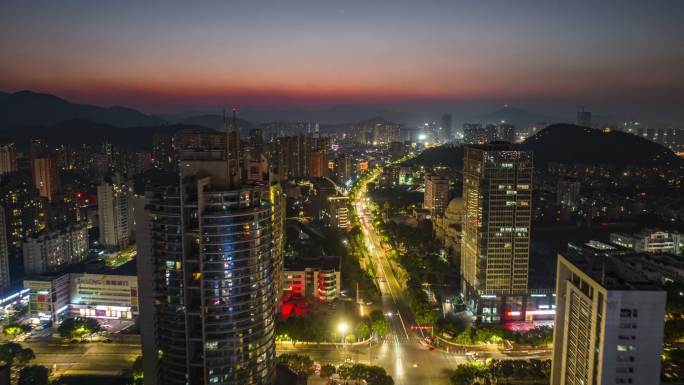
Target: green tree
{"x":14,"y":329}
{"x":137,"y":370}
{"x":12,"y":352}
{"x":327,"y":370}
{"x":34,"y":375}
{"x":380,"y":327}
{"x":465,"y":337}
{"x":466,"y":374}
{"x":78,"y":326}
{"x":362,"y":331}
{"x":298,"y":363}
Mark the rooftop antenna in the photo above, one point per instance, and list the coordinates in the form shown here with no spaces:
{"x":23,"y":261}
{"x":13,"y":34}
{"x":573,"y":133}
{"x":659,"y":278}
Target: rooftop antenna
{"x":234,"y":113}
{"x":224,"y":116}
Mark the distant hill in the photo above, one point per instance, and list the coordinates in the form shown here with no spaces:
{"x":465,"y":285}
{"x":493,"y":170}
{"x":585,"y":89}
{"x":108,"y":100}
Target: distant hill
{"x":567,"y":143}
{"x":84,"y":131}
{"x":27,"y":108}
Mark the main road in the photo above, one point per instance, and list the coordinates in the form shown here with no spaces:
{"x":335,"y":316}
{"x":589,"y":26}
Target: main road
{"x":402,"y":354}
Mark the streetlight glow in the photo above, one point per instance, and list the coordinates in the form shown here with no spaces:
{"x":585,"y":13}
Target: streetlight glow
{"x":342,"y":327}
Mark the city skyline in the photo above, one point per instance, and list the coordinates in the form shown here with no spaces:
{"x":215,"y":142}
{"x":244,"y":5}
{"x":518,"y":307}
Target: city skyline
{"x":163,"y":58}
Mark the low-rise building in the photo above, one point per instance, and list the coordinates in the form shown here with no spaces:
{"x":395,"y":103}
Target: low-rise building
{"x":112,"y":294}
{"x":317,"y":278}
{"x":651,"y":241}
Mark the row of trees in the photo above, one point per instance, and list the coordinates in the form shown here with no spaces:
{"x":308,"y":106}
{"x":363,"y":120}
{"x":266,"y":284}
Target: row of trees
{"x":304,"y":365}
{"x":323,"y":327}
{"x":14,"y":354}
{"x":78,"y":327}
{"x":541,"y":335}
{"x":502,"y":372}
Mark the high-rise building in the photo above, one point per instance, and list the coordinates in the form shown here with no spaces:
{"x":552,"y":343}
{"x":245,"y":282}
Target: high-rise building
{"x":4,"y":254}
{"x":436,"y":197}
{"x":163,"y":151}
{"x":115,"y":212}
{"x":344,"y":168}
{"x":291,"y":157}
{"x":447,"y":134}
{"x":497,"y":194}
{"x":318,"y":166}
{"x":209,"y":259}
{"x":52,"y":250}
{"x":46,"y":175}
{"x":8,"y":159}
{"x":583,"y":118}
{"x":609,"y":324}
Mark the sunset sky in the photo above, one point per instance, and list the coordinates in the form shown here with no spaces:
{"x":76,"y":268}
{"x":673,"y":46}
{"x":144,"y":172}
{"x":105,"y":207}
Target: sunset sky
{"x":616,"y":56}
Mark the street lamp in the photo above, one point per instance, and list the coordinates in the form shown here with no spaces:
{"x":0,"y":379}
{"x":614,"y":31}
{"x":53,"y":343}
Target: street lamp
{"x":342,"y":328}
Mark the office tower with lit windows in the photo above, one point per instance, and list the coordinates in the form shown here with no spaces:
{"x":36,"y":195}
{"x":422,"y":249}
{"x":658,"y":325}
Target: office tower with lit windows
{"x":46,"y":175}
{"x":609,"y":323}
{"x":436,"y":197}
{"x":209,"y":259}
{"x":115,"y":211}
{"x":8,"y":159}
{"x":497,"y":193}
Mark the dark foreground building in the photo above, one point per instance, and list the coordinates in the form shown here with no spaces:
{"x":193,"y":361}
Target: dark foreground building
{"x":209,"y":257}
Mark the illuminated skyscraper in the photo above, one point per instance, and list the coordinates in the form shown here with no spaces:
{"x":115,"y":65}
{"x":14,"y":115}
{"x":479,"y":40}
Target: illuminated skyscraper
{"x":497,"y":193}
{"x":209,"y":259}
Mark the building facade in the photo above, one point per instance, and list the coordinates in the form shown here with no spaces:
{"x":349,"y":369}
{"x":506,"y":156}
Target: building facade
{"x":52,"y":250}
{"x":436,"y":197}
{"x":210,"y":245}
{"x":651,"y":241}
{"x":8,"y":159}
{"x":58,"y":296}
{"x":609,"y":324}
{"x":4,"y":254}
{"x":115,"y":212}
{"x":46,"y":175}
{"x":497,"y":195}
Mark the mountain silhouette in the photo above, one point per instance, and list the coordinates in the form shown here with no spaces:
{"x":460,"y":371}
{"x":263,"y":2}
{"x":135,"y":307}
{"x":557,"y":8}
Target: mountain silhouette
{"x":27,"y":108}
{"x":568,"y":143}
